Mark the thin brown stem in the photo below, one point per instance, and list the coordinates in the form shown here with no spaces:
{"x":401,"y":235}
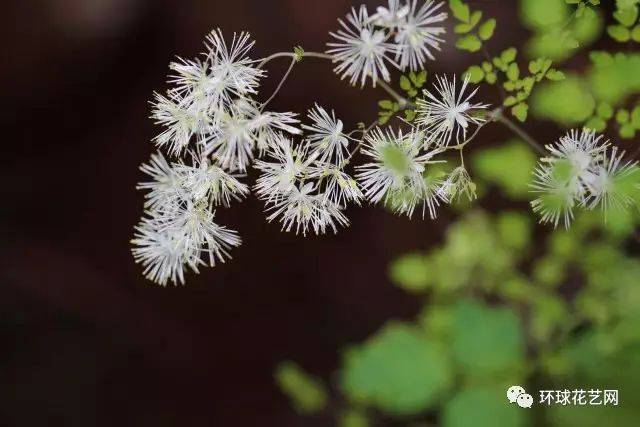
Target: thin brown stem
{"x":320,"y":55}
{"x":284,"y":78}
{"x":520,"y":132}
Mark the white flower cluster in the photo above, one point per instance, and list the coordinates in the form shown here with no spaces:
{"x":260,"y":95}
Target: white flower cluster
{"x":215,"y":128}
{"x":583,"y":170}
{"x":213,"y":125}
{"x":400,"y":35}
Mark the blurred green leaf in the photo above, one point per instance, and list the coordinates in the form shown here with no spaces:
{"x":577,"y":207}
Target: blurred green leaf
{"x":510,"y":166}
{"x":398,"y":370}
{"x":353,"y":418}
{"x":483,"y":407}
{"x":460,"y":10}
{"x":514,"y":230}
{"x":308,"y":394}
{"x":568,"y":102}
{"x":410,"y":272}
{"x":485,"y":31}
{"x":487,"y":342}
{"x":470,"y":43}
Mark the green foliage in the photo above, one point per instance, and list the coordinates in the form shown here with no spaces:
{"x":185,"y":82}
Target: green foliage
{"x":398,"y":370}
{"x":590,"y":100}
{"x":626,"y":27}
{"x":472,"y":33}
{"x":508,"y":166}
{"x":482,"y":407}
{"x":557,"y":30}
{"x":353,"y":418}
{"x":410,"y":272}
{"x":487,"y":342}
{"x":308,"y":395}
{"x":517,"y":86}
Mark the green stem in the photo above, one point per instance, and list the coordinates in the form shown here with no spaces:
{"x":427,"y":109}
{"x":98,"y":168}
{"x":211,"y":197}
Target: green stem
{"x":320,"y":55}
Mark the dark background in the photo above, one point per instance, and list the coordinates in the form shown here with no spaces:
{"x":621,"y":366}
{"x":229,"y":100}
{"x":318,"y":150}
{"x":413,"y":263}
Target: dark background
{"x":86,"y":340}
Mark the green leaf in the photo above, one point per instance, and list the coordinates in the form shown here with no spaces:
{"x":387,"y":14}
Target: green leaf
{"x":405,"y":83}
{"x":568,"y":102}
{"x":635,"y":117}
{"x":491,"y":78}
{"x":604,"y":111}
{"x":475,"y":74}
{"x":483,"y":407}
{"x":596,"y":123}
{"x":509,"y":101}
{"x":410,"y":272}
{"x":460,"y":10}
{"x":469,"y":43}
{"x":386,"y":104}
{"x":619,"y":33}
{"x":487,"y":67}
{"x":475,"y":18}
{"x":635,"y":34}
{"x":549,"y":271}
{"x":409,"y":115}
{"x":488,"y":164}
{"x":353,"y":418}
{"x":627,"y":16}
{"x":514,"y":230}
{"x":627,"y":131}
{"x":520,"y":111}
{"x":622,"y":116}
{"x":485,"y":31}
{"x":535,"y":66}
{"x":421,"y":78}
{"x":308,"y":394}
{"x":555,"y":75}
{"x":513,"y":72}
{"x":486,"y":342}
{"x":399,"y":370}
{"x":508,"y":55}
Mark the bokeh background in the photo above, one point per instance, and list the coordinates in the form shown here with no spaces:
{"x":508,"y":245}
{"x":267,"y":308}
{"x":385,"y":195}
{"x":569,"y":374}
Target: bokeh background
{"x":86,"y":340}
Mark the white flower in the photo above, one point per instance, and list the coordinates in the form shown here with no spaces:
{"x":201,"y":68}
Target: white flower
{"x":326,"y":135}
{"x":339,"y":187}
{"x":459,"y":183}
{"x":397,"y":171}
{"x":279,"y":175}
{"x":391,"y":16}
{"x":416,"y":34}
{"x":302,"y":210}
{"x":180,"y":120}
{"x":446,"y":112}
{"x":557,"y":197}
{"x":566,"y":178}
{"x":206,"y":181}
{"x":167,"y":185}
{"x":162,"y":252}
{"x":607,"y":188}
{"x":360,"y":50}
{"x":230,"y":67}
{"x":243,"y":127}
{"x":202,"y":235}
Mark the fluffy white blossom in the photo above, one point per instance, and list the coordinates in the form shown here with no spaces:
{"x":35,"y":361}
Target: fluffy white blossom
{"x":243,"y":128}
{"x":339,"y":187}
{"x":281,"y":170}
{"x":610,"y":185}
{"x":167,"y":242}
{"x":446,"y":113}
{"x":392,"y":16}
{"x":326,"y":135}
{"x":360,"y":50}
{"x":566,"y":178}
{"x":207,"y":181}
{"x":302,"y":209}
{"x":396,"y":173}
{"x":417,"y":35}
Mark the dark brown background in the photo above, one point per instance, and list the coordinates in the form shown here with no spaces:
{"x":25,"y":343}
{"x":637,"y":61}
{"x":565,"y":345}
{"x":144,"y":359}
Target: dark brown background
{"x":86,"y":340}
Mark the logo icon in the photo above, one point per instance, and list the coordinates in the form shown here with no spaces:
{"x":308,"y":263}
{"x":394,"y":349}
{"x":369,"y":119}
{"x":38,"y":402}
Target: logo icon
{"x":517,"y":394}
